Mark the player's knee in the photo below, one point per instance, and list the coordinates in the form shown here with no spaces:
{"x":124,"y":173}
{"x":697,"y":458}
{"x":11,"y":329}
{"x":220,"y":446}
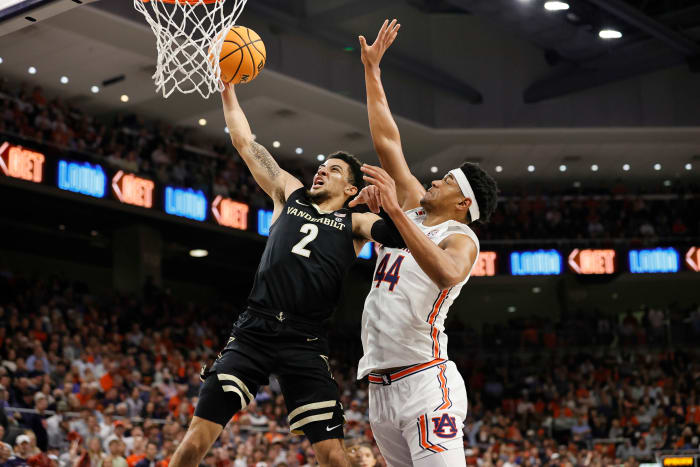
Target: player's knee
{"x":330,"y":453}
{"x":336,"y":457}
{"x":189,"y":452}
{"x":194,"y":446}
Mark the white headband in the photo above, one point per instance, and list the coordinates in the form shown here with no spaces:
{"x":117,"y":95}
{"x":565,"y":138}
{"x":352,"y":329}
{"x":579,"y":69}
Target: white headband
{"x":466,"y":191}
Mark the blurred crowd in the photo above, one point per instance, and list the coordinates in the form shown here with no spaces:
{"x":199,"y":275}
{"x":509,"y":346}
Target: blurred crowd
{"x":651,"y":327}
{"x":174,"y":155}
{"x":157,"y":150}
{"x":604,"y":217}
{"x":89,"y":381}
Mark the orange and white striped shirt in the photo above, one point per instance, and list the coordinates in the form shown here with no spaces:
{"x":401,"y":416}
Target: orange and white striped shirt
{"x":404,"y":314}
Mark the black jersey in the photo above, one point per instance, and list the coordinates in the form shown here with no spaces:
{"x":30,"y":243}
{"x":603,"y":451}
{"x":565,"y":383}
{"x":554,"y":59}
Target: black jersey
{"x":305,"y":261}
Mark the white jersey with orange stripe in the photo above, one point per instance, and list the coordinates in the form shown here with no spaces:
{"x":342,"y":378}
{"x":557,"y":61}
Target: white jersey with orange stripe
{"x":404,"y":314}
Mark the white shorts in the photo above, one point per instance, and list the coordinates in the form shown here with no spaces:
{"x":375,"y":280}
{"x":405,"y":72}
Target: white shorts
{"x":419,"y":412}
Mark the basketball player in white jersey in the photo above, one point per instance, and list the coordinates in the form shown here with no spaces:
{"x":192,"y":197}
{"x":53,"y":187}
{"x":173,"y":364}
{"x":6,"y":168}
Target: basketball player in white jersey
{"x":418,"y":400}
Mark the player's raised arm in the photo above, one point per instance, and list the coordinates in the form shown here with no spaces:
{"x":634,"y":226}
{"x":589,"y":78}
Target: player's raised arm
{"x":446,"y":264}
{"x":277,"y":183}
{"x":385,"y":133}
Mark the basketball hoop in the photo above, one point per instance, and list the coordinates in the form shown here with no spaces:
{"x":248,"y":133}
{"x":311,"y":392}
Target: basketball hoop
{"x":189,"y":35}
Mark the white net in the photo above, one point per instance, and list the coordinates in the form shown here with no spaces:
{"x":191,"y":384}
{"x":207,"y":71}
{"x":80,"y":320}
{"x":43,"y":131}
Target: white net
{"x":189,"y":34}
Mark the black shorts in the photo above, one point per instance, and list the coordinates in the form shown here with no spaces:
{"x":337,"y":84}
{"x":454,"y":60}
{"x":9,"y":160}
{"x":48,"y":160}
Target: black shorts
{"x":261,"y":346}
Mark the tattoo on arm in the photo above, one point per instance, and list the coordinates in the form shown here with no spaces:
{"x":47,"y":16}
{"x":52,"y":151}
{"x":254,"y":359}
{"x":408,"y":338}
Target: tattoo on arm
{"x":265,"y":160}
{"x":263,"y":157}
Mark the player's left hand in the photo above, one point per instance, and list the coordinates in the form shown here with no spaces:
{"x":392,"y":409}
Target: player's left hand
{"x":372,"y":54}
{"x":387,"y":187}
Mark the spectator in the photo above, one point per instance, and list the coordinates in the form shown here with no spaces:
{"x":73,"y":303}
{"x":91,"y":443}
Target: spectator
{"x":361,"y":455}
{"x":138,"y":452}
{"x":641,"y":451}
{"x":22,"y":452}
{"x":36,"y":421}
{"x":5,"y":453}
{"x":656,"y":320}
{"x":149,"y":459}
{"x":273,"y":435}
{"x":118,"y":433}
{"x":581,"y":429}
{"x":616,"y":430}
{"x":159,"y":156}
{"x":58,"y":427}
{"x":353,"y":414}
{"x":94,"y":452}
{"x":4,"y":422}
{"x":37,"y":361}
{"x":255,"y":416}
{"x":114,"y":458}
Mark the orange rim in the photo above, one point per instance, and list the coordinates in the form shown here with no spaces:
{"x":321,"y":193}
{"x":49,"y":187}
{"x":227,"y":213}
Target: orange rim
{"x":189,"y":2}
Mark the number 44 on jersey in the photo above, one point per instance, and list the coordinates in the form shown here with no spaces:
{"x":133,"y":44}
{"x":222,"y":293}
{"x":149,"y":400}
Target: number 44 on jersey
{"x":392,"y":275}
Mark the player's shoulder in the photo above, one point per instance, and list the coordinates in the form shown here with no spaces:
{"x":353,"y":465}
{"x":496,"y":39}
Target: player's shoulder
{"x":298,"y":194}
{"x":453,"y":226}
{"x":459,"y":228}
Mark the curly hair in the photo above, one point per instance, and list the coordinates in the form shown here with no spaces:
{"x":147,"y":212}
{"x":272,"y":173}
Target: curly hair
{"x":355,"y":178}
{"x":485,"y":190}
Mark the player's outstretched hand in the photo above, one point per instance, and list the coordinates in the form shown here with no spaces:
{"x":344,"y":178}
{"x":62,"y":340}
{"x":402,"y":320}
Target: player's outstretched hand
{"x":369,"y":196}
{"x":372,"y":54}
{"x":385,"y":184}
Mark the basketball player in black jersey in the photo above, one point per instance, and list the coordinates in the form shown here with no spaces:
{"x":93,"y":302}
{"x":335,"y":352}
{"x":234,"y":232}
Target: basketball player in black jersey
{"x":314,"y":239}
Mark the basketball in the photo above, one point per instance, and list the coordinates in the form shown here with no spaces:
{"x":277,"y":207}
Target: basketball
{"x":242,"y":55}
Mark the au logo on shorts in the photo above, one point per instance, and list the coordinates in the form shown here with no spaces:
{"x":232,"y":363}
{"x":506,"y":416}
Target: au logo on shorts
{"x":445,"y":426}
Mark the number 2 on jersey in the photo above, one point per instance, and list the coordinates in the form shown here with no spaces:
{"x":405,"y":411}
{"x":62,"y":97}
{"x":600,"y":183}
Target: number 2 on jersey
{"x":311,"y":231}
{"x":391,"y":276}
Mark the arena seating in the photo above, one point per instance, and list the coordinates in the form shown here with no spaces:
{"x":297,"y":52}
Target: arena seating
{"x":172,"y":155}
{"x":91,"y":385}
